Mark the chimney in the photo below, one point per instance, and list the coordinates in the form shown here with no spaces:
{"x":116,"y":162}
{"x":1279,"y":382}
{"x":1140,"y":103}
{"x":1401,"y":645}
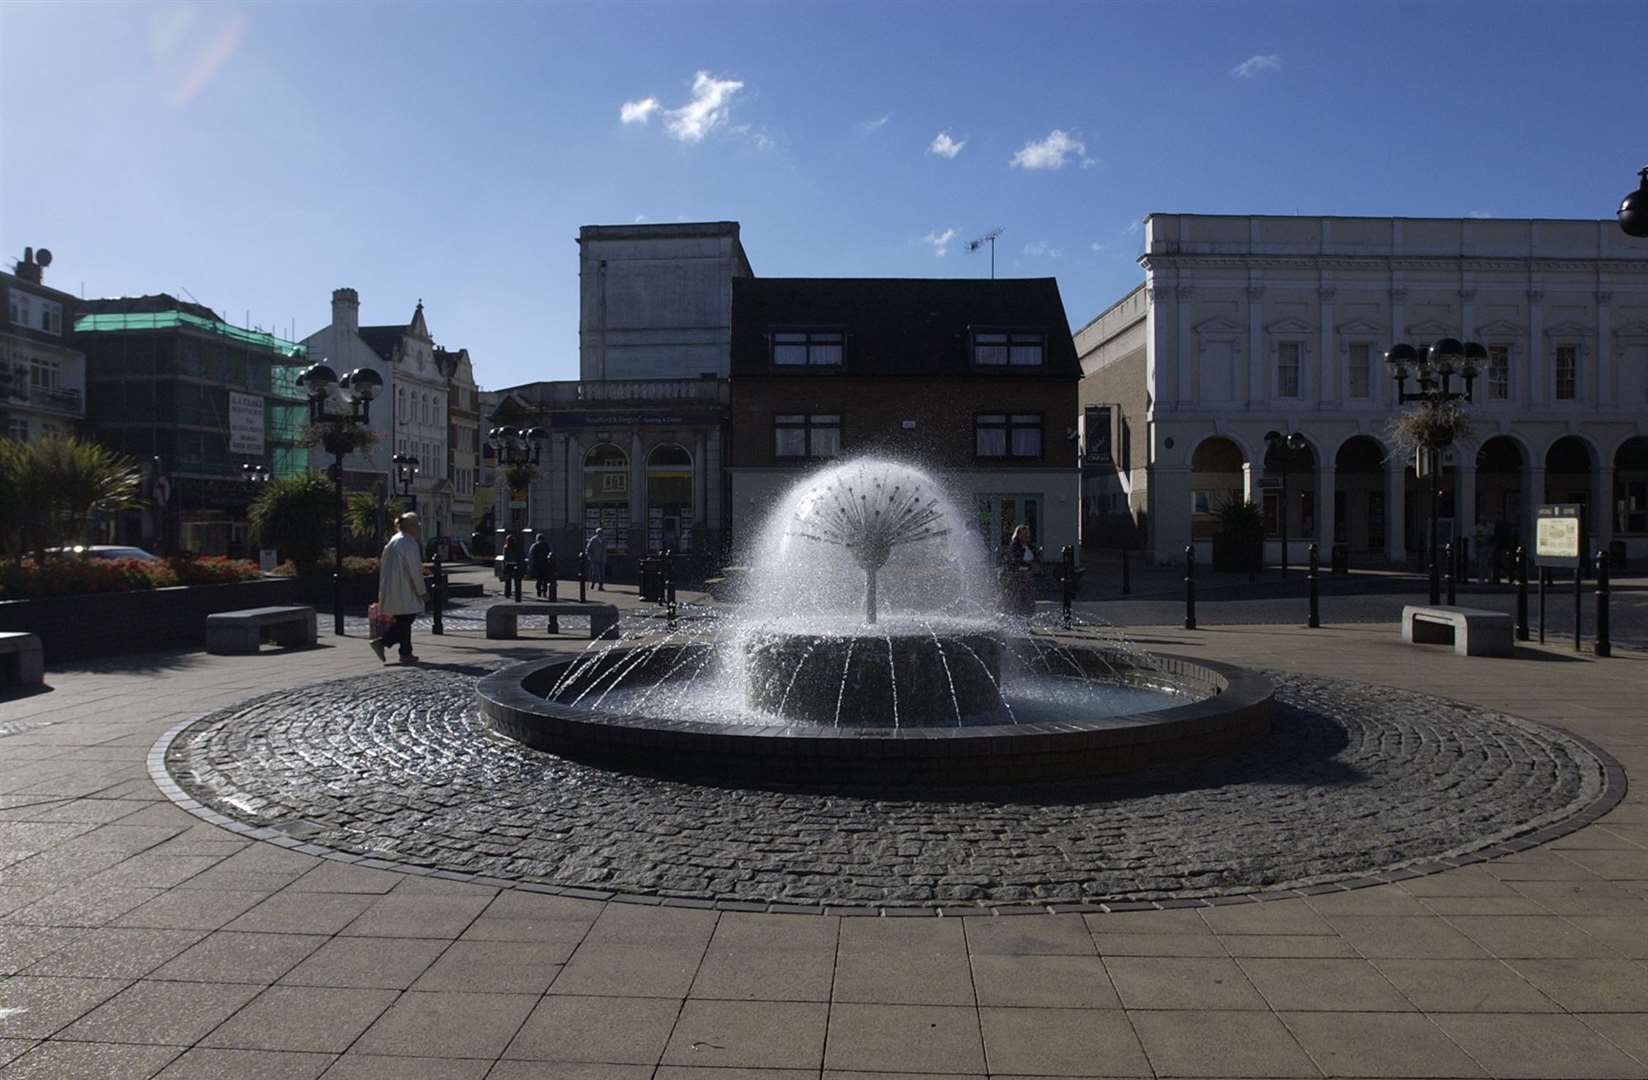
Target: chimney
{"x":27,"y":268}
{"x":346,"y":309}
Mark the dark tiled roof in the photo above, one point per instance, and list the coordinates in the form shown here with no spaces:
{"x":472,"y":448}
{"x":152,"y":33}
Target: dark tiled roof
{"x":153,"y":304}
{"x":383,"y":340}
{"x":900,"y":326}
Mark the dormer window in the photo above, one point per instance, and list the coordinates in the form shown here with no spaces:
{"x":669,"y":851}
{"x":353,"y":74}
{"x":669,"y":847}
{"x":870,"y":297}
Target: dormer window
{"x":1009,"y":348}
{"x":808,"y":348}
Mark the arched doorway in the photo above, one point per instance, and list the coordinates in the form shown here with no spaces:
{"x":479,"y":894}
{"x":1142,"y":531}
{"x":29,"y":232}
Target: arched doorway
{"x":669,"y":499}
{"x":1499,"y":506}
{"x":606,"y":495}
{"x":1292,"y":471}
{"x":1359,"y":496}
{"x":1217,"y":476}
{"x":1631,"y":500}
{"x":1568,"y":473}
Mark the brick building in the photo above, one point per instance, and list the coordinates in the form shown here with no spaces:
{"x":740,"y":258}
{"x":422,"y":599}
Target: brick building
{"x":975,"y":379}
{"x":42,"y":377}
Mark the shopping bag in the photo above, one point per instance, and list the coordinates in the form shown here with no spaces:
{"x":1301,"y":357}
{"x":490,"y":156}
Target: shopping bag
{"x":378,"y":621}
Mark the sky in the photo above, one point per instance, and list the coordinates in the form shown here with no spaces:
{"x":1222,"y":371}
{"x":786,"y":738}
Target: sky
{"x":257,"y":156}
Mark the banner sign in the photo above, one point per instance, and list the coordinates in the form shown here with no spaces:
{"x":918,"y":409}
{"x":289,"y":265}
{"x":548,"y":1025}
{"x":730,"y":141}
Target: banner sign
{"x":1097,"y":431}
{"x":245,"y":424}
{"x":1558,"y":533}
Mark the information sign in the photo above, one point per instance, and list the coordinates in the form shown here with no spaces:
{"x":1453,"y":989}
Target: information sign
{"x":1558,"y":532}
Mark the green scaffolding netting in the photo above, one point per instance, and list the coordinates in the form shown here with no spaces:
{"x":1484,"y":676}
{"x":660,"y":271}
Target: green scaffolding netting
{"x":165,"y":320}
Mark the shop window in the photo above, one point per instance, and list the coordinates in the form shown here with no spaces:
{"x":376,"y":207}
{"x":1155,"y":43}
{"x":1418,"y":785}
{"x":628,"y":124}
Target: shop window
{"x":802,"y":436}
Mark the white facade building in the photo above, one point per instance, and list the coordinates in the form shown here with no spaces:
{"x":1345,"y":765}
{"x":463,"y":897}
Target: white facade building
{"x":1252,"y":324}
{"x":42,"y":378}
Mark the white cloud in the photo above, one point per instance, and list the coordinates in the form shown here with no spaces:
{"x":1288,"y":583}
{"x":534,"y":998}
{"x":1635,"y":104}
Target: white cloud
{"x":639,"y":218}
{"x":944,"y":146}
{"x":638,"y":112}
{"x":1133,"y":228}
{"x":878,"y":123}
{"x":940,"y":241}
{"x":710,"y":105}
{"x":1257,"y":65}
{"x":1095,"y":246}
{"x":1041,"y":249}
{"x":1053,"y":152}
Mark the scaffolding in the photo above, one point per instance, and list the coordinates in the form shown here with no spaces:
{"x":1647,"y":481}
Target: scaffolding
{"x":168,"y":320}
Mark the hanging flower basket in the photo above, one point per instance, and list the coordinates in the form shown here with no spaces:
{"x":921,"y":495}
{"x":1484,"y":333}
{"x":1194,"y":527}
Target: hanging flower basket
{"x":1431,"y":426}
{"x":339,"y":438}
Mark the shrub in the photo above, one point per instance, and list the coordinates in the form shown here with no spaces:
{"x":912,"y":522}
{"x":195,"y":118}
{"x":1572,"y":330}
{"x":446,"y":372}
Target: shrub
{"x":354,"y":566}
{"x":214,"y":570}
{"x":295,"y":516}
{"x":50,"y":488}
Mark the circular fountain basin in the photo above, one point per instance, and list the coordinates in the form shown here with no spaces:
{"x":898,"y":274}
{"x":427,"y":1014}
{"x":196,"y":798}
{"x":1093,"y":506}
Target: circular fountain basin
{"x":1213,"y":708}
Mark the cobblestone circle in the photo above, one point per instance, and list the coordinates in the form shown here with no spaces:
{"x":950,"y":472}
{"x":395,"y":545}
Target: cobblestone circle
{"x":1354,"y":779}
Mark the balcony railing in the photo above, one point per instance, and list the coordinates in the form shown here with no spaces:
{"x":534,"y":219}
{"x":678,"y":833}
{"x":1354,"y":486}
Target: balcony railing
{"x":629,"y":391}
{"x":68,"y":402}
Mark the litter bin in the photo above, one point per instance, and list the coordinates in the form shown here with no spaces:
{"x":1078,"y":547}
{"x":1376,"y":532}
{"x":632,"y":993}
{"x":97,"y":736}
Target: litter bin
{"x":652,"y":579}
{"x":1340,"y":559}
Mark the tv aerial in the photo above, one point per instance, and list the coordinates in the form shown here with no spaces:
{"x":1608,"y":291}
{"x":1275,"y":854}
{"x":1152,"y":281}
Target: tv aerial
{"x":987,"y":238}
{"x":43,"y":257}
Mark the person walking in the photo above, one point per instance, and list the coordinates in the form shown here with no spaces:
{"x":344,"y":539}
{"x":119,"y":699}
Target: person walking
{"x":401,"y":591}
{"x":1021,"y":565}
{"x":539,"y":559}
{"x":512,"y":562}
{"x":596,"y":552}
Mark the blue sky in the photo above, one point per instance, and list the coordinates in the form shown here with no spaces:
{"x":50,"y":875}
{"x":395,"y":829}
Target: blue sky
{"x":260,"y":155}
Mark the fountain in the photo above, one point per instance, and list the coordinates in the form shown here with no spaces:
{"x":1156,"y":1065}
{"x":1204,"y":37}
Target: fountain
{"x":871,"y":651}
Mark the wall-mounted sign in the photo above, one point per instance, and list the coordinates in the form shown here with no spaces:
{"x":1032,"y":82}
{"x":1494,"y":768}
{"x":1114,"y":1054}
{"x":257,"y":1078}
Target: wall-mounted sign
{"x":1559,"y":531}
{"x":632,"y":420}
{"x":245,"y":424}
{"x":1096,"y":429}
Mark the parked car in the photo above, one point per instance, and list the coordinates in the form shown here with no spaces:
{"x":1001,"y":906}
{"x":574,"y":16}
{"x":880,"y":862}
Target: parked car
{"x":105,"y":551}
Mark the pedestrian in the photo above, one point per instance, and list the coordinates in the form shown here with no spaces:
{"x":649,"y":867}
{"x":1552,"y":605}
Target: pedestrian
{"x":1021,"y":565}
{"x":596,"y":552}
{"x":401,"y":591}
{"x":539,"y":559}
{"x":512,"y":560}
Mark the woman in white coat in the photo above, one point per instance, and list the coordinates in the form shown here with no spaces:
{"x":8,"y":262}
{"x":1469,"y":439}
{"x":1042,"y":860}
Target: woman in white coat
{"x":401,"y":591}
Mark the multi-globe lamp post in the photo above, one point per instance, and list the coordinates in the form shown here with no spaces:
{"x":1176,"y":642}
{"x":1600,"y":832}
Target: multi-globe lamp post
{"x":518,"y":450}
{"x":350,"y":399}
{"x":1434,"y":369}
{"x":1285,"y":446}
{"x":406,"y":471}
{"x":1633,"y":209}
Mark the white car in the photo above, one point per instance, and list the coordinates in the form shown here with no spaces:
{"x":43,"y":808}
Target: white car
{"x":105,"y":551}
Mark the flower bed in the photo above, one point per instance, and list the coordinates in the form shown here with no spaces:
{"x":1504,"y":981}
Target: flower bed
{"x":72,"y":576}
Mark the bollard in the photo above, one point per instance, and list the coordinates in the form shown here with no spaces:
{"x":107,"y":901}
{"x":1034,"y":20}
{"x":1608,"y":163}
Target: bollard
{"x":554,"y":593}
{"x":1604,"y":642}
{"x":1462,"y":560}
{"x":1067,"y":581}
{"x":1579,"y":605}
{"x":1544,"y":578}
{"x":1190,"y":586}
{"x":437,"y":592}
{"x":1520,"y":569}
{"x":1448,"y":561}
{"x":667,"y":594}
{"x":518,"y":575}
{"x":583,"y":577}
{"x":1315,"y":587}
{"x":1127,"y":574}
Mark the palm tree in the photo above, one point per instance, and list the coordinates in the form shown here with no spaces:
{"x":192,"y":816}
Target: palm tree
{"x":59,"y":482}
{"x":295,"y":516}
{"x":365,"y":515}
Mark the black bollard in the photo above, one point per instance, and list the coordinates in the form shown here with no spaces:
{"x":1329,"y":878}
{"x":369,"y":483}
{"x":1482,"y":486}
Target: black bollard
{"x":1462,"y":560}
{"x":1520,"y":569}
{"x":583,"y":577}
{"x":1579,"y":605}
{"x":667,"y":593}
{"x":1315,"y":587}
{"x":1127,"y":574}
{"x":1448,"y":561}
{"x":1067,"y":581}
{"x":1190,"y":586}
{"x":1604,"y":642}
{"x":437,"y":592}
{"x":1544,"y":579}
{"x":554,"y":593}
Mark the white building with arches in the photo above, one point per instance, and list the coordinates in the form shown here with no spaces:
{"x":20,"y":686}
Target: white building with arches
{"x":1246,"y":325}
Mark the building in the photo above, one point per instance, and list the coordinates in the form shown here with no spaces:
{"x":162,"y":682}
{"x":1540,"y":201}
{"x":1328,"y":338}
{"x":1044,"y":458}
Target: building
{"x":196,"y":400}
{"x":636,"y":445}
{"x":410,"y":415}
{"x":463,"y":440}
{"x":1245,"y":325}
{"x":42,"y":375}
{"x":975,"y":378}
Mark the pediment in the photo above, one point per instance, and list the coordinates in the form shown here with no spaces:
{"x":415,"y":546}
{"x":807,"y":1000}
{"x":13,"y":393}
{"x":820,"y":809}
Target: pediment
{"x":1359,"y":328}
{"x":1428,"y":330}
{"x":1635,"y":328}
{"x":1499,"y":328}
{"x":1218,"y":324}
{"x":1289,"y":325}
{"x":1570,"y":329}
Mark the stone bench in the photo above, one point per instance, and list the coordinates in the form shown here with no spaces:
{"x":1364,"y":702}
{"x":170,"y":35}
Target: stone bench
{"x":241,"y":632}
{"x":1471,"y":631}
{"x":22,"y":661}
{"x":502,"y":620}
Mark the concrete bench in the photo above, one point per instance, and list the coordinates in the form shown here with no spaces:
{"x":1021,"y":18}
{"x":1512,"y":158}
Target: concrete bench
{"x":241,"y":632}
{"x":502,"y":620}
{"x":1471,"y":631}
{"x":22,"y":661}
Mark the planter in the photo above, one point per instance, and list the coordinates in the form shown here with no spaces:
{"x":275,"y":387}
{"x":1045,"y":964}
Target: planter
{"x":317,"y":589}
{"x":146,"y":620}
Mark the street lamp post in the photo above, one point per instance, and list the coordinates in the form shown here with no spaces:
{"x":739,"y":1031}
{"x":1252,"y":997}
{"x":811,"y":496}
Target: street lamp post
{"x":518,"y":450}
{"x":1284,"y":445}
{"x":254,"y":474}
{"x":354,"y":393}
{"x":1633,"y":209}
{"x":406,"y":471}
{"x":1435,"y":368}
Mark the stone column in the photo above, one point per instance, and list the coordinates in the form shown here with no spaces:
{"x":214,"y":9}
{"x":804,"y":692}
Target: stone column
{"x":1258,"y":397}
{"x":1247,"y":481}
{"x":1533,"y":493}
{"x":1395,"y":508}
{"x":1170,"y":519}
{"x":1602,"y":504}
{"x":1464,"y":515}
{"x":1164,"y":346}
{"x":1326,"y":483}
{"x":1328,"y":389}
{"x":1184,"y":354}
{"x":1599,"y":388}
{"x":1539,"y":390}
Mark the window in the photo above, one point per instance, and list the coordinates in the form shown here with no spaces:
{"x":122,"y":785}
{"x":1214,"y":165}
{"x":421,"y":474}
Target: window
{"x":806,"y":435}
{"x":400,"y":405}
{"x":998,"y":348}
{"x":35,"y":312}
{"x":17,"y":428}
{"x":1566,"y":369}
{"x":1361,"y":370}
{"x":808,"y":348}
{"x":1007,"y":435}
{"x":1499,"y":372}
{"x":1287,"y":369}
{"x":44,"y":374}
